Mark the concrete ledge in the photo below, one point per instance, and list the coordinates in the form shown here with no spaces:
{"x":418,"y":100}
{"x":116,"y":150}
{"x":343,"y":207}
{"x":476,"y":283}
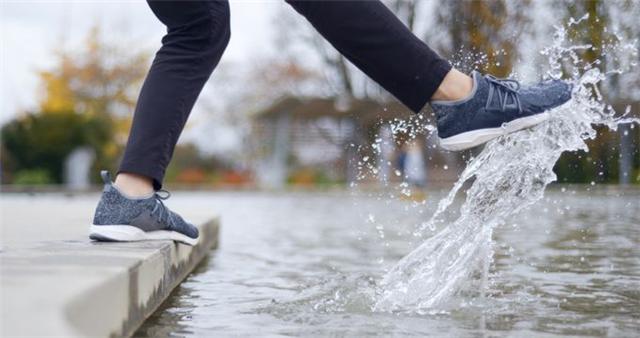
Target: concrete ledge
{"x":83,"y":288}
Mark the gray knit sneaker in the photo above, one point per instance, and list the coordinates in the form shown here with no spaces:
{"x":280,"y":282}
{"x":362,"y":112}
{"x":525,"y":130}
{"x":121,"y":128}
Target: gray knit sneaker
{"x":121,"y":218}
{"x":496,"y":107}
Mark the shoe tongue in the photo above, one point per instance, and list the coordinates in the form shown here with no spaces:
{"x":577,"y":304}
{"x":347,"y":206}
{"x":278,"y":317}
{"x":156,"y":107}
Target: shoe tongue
{"x":106,"y":177}
{"x":480,"y":83}
{"x":477,"y":77}
{"x":477,"y":80}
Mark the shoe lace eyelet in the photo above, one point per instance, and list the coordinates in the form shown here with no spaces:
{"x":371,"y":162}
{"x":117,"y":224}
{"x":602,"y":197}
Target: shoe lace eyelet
{"x":505,"y":89}
{"x":160,"y":211}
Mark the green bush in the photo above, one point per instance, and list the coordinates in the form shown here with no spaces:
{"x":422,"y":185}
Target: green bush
{"x":32,"y":177}
{"x":37,"y":143}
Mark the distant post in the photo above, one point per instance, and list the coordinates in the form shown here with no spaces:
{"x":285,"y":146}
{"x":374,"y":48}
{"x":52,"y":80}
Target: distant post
{"x":626,"y":156}
{"x":77,"y":167}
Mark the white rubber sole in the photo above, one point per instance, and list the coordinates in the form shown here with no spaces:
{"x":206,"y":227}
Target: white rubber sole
{"x":127,"y":233}
{"x":474,"y":138}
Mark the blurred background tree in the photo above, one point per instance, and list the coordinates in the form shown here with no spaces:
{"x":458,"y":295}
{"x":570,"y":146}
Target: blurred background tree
{"x":38,"y":144}
{"x":86,"y":100}
{"x":602,"y":24}
{"x":102,"y":78}
{"x":481,"y":35}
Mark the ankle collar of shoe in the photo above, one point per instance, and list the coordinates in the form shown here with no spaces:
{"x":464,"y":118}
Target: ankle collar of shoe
{"x":127,"y":196}
{"x":476,"y":81}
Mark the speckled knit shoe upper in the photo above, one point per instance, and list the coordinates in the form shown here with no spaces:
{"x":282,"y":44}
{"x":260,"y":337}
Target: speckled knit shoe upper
{"x":496,"y":101}
{"x":147,"y":212}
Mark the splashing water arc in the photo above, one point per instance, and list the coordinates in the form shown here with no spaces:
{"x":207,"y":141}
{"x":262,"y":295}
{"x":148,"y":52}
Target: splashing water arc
{"x":510,"y":174}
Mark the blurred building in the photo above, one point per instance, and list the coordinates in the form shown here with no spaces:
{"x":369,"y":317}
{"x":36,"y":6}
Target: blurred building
{"x":314,"y":140}
{"x":629,"y":142}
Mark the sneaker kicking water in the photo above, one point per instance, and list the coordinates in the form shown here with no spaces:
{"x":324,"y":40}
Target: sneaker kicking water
{"x":122,"y":218}
{"x":494,"y":108}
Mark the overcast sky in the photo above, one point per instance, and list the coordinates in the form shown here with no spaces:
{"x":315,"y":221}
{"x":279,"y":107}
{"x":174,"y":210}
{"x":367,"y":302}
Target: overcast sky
{"x":31,"y":30}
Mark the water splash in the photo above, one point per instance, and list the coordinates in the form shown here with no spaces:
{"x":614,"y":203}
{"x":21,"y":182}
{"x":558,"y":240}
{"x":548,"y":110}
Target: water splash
{"x":510,"y":174}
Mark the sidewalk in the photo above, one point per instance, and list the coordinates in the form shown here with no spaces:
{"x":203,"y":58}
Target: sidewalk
{"x":56,"y":282}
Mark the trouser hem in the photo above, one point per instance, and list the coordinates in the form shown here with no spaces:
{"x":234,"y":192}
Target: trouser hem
{"x":439,"y":70}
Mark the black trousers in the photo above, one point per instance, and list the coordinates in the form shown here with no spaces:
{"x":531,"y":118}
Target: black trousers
{"x":365,"y":32}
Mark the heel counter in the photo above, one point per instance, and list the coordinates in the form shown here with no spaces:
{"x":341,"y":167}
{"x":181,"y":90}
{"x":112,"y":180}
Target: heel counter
{"x":98,"y":212}
{"x":102,"y":208}
{"x":444,"y":121}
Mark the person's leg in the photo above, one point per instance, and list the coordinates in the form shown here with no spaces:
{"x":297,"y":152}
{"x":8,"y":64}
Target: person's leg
{"x":469,"y":111}
{"x":197,"y":34}
{"x":377,"y":42}
{"x":130,"y":209}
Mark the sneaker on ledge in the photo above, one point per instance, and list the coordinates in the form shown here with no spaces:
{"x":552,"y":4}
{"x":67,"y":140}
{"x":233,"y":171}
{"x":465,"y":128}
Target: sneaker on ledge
{"x":121,"y":218}
{"x":494,"y":108}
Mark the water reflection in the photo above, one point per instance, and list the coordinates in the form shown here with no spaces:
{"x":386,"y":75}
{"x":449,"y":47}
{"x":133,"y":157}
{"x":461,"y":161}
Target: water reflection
{"x":308,"y":264}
